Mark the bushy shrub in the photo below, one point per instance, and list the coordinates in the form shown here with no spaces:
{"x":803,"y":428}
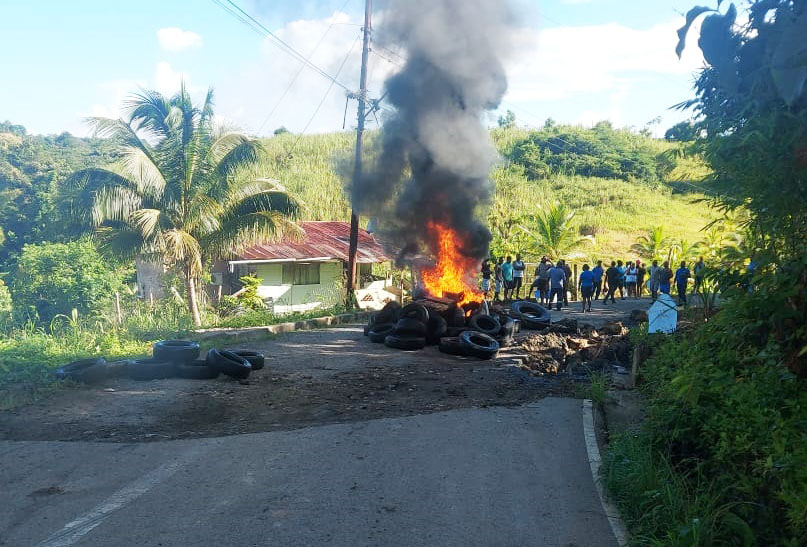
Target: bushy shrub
{"x":55,"y":278}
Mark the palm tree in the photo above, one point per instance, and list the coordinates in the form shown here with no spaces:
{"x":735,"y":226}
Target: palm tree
{"x":552,"y":233}
{"x":683,"y":250}
{"x":178,"y":193}
{"x":653,"y":245}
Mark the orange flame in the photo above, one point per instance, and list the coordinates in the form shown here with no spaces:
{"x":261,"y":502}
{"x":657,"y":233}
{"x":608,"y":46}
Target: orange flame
{"x":452,"y":270}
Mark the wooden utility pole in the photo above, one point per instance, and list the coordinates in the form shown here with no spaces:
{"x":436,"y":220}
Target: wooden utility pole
{"x":357,"y":169}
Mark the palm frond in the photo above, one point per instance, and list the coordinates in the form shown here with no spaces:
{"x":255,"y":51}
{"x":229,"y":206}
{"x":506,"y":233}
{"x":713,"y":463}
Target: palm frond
{"x":233,"y":151}
{"x":144,"y":172}
{"x":240,"y":232}
{"x":115,"y":203}
{"x":81,"y":190}
{"x":148,"y":111}
{"x":147,"y":221}
{"x":181,"y":247}
{"x":120,"y":240}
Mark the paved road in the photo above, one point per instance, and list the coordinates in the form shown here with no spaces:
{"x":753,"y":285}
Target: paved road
{"x":492,"y":477}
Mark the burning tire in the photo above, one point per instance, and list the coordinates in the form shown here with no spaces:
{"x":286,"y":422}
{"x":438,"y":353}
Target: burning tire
{"x":410,"y":327}
{"x":415,"y":311}
{"x":149,"y":369}
{"x":405,"y":342}
{"x":86,"y":371}
{"x":256,"y":360}
{"x":435,"y":329}
{"x":176,"y":351}
{"x":479,"y":344}
{"x":379,"y":332}
{"x":451,"y":346}
{"x":228,"y":363}
{"x":197,"y":369}
{"x":532,"y":316}
{"x":388,"y":314}
{"x":485,"y":323}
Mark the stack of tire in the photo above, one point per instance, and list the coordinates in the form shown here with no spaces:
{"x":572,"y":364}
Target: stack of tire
{"x":415,"y":326}
{"x":170,"y":359}
{"x":530,"y":315}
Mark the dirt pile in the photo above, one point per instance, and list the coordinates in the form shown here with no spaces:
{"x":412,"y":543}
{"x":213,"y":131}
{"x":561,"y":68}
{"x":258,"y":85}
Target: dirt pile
{"x":566,"y":347}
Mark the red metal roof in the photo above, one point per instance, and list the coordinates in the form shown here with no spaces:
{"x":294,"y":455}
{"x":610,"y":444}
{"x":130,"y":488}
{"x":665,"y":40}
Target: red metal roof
{"x":323,"y":239}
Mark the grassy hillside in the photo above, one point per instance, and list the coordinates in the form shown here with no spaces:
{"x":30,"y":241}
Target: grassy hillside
{"x":616,"y":211}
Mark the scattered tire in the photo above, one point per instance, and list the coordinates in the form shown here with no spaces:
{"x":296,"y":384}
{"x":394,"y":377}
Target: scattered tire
{"x":456,"y":318}
{"x":451,"y":345}
{"x":256,"y":360}
{"x":408,"y":326}
{"x":405,"y":342}
{"x":149,"y":369}
{"x":508,"y":327}
{"x":415,"y":311}
{"x":388,"y":314}
{"x":176,"y":351}
{"x":435,"y":329}
{"x":197,"y":369}
{"x":531,"y":315}
{"x":379,"y":332}
{"x":485,"y":323}
{"x":229,"y":363}
{"x":86,"y":371}
{"x":479,"y":344}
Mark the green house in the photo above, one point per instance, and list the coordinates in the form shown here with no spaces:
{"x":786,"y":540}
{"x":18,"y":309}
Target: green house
{"x":305,"y":274}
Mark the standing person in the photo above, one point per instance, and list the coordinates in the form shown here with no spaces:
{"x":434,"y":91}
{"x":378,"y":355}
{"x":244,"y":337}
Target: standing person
{"x":598,"y":272}
{"x":486,"y":272}
{"x":518,"y":275}
{"x":497,"y":277}
{"x":682,"y":275}
{"x":557,"y":284}
{"x":542,"y":275}
{"x":507,"y":276}
{"x":700,"y":272}
{"x":621,"y":281}
{"x":586,"y":284}
{"x":665,"y":277}
{"x":612,"y":278}
{"x":631,"y":277}
{"x":640,"y":275}
{"x":568,"y":271}
{"x":655,"y":280}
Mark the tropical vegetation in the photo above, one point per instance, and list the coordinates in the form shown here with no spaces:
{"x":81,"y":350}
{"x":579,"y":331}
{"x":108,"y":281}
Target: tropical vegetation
{"x":177,"y":194}
{"x":722,"y":457}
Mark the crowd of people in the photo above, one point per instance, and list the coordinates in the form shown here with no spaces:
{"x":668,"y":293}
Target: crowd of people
{"x":552,"y":282}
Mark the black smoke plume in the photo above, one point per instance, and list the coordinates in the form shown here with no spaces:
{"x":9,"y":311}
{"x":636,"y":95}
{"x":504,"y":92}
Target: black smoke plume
{"x":435,"y":154}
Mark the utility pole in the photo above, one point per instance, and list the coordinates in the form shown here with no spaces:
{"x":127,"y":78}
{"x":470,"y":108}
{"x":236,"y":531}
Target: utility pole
{"x":357,"y":169}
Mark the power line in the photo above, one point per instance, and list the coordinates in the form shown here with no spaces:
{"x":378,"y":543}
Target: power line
{"x":236,"y":11}
{"x":299,"y":71}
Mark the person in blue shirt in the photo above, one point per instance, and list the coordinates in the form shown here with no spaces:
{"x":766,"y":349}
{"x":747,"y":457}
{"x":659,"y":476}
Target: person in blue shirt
{"x":507,"y":275}
{"x":621,"y":286}
{"x":597,"y":272}
{"x":682,"y":275}
{"x":586,"y":284}
{"x":557,"y":285}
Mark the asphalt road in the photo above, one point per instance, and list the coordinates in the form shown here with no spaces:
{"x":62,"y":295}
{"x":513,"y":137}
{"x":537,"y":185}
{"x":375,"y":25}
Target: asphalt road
{"x":487,"y":477}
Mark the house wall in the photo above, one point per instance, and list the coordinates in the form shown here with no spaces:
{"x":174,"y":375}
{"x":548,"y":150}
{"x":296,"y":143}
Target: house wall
{"x":289,"y":297}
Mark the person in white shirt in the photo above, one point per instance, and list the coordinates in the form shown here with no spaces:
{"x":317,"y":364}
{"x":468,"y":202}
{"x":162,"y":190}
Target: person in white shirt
{"x":518,"y":276}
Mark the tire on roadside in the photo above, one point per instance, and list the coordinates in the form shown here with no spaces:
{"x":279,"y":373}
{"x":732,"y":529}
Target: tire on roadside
{"x":435,"y":329}
{"x":86,"y":371}
{"x":531,"y":315}
{"x":228,"y":363}
{"x":479,"y":344}
{"x":379,"y":332}
{"x":405,"y":342}
{"x":198,"y":369}
{"x":485,"y":323}
{"x":149,"y":369}
{"x":176,"y":351}
{"x":256,"y":360}
{"x":388,"y":314}
{"x":407,"y":326}
{"x":415,"y":311}
{"x":451,"y":346}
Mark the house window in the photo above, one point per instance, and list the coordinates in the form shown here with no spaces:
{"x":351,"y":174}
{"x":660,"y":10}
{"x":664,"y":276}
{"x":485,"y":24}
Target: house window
{"x":300,"y":274}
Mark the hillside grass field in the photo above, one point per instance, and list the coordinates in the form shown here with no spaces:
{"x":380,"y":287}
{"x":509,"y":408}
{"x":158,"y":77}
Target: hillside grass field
{"x":615,"y":211}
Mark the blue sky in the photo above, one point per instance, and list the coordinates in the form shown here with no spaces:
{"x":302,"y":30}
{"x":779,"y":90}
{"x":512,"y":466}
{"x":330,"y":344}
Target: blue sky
{"x":576,"y":61}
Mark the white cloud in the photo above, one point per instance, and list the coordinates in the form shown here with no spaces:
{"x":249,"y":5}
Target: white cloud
{"x":176,"y":39}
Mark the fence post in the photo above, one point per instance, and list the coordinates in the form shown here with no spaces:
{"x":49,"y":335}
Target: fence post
{"x":574,"y":284}
{"x":118,"y":314}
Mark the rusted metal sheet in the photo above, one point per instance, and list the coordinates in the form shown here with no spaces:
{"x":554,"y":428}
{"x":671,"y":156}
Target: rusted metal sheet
{"x":322,"y":239}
